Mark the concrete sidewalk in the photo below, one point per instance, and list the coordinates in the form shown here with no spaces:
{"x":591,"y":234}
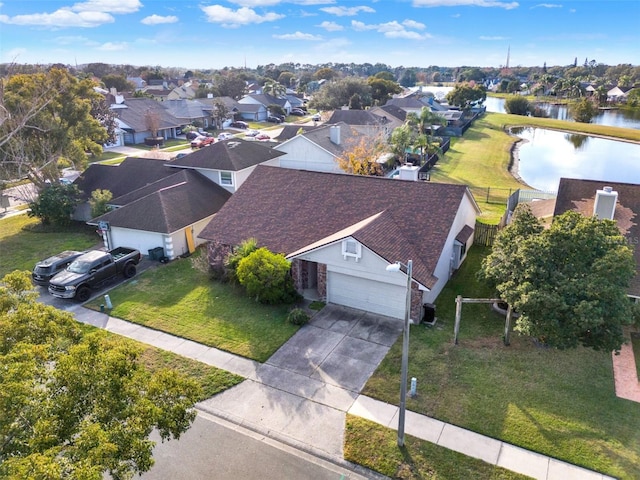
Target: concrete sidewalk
{"x":309,"y":413}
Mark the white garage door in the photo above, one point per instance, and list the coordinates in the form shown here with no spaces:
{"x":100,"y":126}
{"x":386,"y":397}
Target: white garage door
{"x":364,"y":294}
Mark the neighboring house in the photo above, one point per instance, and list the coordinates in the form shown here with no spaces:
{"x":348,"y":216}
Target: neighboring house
{"x":366,"y":122}
{"x":319,"y":149}
{"x":187,"y":90}
{"x":611,"y":200}
{"x":169,"y":213}
{"x":133,"y":117}
{"x":228,"y":163}
{"x":618,"y":94}
{"x":391,"y":112}
{"x":265,"y":100}
{"x":138,"y":82}
{"x":131,"y":174}
{"x":341,"y":231}
{"x":189,"y":111}
{"x":253,"y":112}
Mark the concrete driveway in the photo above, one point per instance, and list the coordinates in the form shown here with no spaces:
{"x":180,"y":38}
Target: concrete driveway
{"x":302,"y":393}
{"x":340,"y":346}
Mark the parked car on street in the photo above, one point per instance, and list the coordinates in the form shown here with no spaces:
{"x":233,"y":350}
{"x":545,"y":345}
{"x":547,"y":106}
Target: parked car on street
{"x":316,"y":117}
{"x":297,"y":112}
{"x":46,"y":269}
{"x":192,"y":135}
{"x":239,"y":124}
{"x":225,"y":136}
{"x":201,"y":141}
{"x":274,"y":119}
{"x":251,"y":133}
{"x":263,"y":137}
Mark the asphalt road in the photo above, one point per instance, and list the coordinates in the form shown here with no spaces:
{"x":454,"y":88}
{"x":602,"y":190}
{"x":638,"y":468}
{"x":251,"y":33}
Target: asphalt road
{"x":215,"y":449}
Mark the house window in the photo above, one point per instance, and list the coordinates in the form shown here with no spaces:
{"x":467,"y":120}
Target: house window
{"x":351,"y":248}
{"x":226,"y":178}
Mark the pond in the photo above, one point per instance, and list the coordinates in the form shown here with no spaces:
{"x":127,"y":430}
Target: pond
{"x":613,"y":118}
{"x":547,"y":155}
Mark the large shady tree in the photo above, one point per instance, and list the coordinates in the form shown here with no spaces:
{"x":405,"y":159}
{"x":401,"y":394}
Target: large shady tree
{"x":568,"y":282}
{"x":78,"y":405}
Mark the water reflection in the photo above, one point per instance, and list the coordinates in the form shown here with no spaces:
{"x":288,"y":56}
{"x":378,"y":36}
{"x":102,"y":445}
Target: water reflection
{"x":577,"y":140}
{"x":547,"y":155}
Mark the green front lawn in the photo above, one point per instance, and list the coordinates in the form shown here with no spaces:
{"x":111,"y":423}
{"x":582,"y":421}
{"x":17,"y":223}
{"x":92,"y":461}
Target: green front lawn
{"x":559,"y":403}
{"x":178,"y":299}
{"x":375,"y":447}
{"x":23,"y":242}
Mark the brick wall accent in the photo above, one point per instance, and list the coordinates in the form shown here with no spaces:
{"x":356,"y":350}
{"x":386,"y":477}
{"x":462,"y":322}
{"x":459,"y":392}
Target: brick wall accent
{"x":322,"y":281}
{"x":416,"y":303}
{"x":296,"y":274}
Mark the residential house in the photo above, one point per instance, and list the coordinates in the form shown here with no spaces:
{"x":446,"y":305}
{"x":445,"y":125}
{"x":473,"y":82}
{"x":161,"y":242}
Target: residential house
{"x":265,"y":100}
{"x":366,"y":122}
{"x":167,"y":214}
{"x":132,"y":174}
{"x":187,"y":90}
{"x":318,"y":149}
{"x":190,"y":112}
{"x":136,"y":116}
{"x":290,"y":131}
{"x":230,"y":162}
{"x":618,"y":94}
{"x":253,"y":112}
{"x":341,"y":231}
{"x":611,"y":200}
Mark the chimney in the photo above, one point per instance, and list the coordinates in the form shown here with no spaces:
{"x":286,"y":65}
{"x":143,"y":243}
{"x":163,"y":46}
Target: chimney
{"x":113,"y":91}
{"x":605,"y":204}
{"x":334,"y":134}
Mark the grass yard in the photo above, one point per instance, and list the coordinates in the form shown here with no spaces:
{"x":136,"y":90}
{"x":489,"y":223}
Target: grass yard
{"x":559,"y":403}
{"x":374,"y":446}
{"x":180,"y":300}
{"x":23,"y":242}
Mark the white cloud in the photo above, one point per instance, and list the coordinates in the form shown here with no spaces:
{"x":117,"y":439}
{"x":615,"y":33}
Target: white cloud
{"x":60,"y":18}
{"x":330,"y":26}
{"x":390,"y":30}
{"x":157,"y":19}
{"x":298,"y":36}
{"x":465,"y":3}
{"x":414,"y":25}
{"x":91,"y":13}
{"x":111,"y":6}
{"x":256,"y":3}
{"x":113,"y":46}
{"x":347,"y":11}
{"x":230,"y":18}
{"x":547,"y":5}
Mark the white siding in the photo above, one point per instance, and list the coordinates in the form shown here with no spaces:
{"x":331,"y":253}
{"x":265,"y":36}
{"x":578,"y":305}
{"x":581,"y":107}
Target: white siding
{"x":466,"y":216}
{"x":301,"y":154}
{"x":364,"y":284}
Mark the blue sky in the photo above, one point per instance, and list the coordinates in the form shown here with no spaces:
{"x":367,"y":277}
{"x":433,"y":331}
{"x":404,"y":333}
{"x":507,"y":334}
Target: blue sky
{"x":214,"y":34}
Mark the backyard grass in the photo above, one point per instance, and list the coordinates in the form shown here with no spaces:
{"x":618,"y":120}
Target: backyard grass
{"x":23,"y":242}
{"x":178,"y":299}
{"x":374,"y":446}
{"x":559,"y":403}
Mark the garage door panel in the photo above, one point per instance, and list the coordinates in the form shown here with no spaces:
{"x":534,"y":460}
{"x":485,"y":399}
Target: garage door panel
{"x":364,"y":294}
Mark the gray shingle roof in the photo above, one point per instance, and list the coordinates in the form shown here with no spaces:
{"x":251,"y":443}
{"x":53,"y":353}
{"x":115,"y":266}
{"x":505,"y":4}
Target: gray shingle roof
{"x":579,"y":195}
{"x":355,"y":117}
{"x":134,"y":114}
{"x":321,"y":137}
{"x":287,"y":210}
{"x":189,"y":198}
{"x":131,"y":174}
{"x":290,"y":131}
{"x":229,"y":155}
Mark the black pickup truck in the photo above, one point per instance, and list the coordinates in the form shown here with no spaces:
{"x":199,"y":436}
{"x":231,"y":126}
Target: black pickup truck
{"x":92,"y":270}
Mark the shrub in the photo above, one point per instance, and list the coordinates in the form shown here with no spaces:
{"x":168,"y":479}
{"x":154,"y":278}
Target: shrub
{"x":297,"y":316}
{"x":265,"y":275}
{"x":55,"y":204}
{"x":245,"y":249}
{"x":517,"y":105}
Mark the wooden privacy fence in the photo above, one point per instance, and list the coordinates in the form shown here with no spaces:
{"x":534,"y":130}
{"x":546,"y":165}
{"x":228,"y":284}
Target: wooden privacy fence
{"x":485,"y":234}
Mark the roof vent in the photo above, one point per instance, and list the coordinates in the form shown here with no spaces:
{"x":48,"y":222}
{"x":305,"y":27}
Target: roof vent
{"x":605,"y":204}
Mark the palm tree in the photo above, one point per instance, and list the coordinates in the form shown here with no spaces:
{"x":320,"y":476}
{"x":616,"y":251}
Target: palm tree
{"x":425,"y":120}
{"x":273,"y":88}
{"x":401,"y":139}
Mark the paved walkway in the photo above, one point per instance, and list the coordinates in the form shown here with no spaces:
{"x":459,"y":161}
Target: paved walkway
{"x":625,"y":374}
{"x":309,"y":414}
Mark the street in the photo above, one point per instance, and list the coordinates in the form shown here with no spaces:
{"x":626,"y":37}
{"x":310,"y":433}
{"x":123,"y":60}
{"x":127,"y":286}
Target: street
{"x":214,"y":448}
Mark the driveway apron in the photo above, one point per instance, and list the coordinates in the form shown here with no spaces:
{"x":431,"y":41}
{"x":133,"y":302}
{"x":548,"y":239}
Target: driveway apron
{"x":302,"y":393}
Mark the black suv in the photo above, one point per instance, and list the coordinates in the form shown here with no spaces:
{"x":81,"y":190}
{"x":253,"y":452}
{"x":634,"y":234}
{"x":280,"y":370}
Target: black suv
{"x":238,"y":124}
{"x":274,"y":119}
{"x":46,"y":269}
